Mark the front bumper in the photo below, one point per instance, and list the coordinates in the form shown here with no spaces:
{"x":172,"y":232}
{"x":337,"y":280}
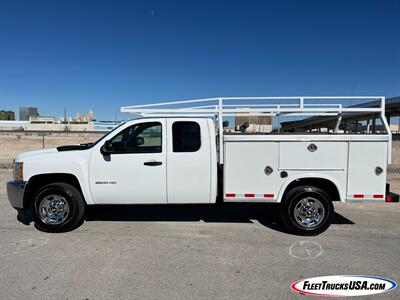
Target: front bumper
{"x":15,"y":193}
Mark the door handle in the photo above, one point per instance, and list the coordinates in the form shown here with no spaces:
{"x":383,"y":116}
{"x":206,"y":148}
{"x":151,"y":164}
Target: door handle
{"x":152,"y":163}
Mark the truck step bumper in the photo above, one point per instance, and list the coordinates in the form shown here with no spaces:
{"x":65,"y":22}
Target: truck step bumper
{"x":390,"y":196}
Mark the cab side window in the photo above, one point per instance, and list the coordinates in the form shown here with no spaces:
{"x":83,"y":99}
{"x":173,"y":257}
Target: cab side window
{"x":139,"y":138}
{"x":186,"y":136}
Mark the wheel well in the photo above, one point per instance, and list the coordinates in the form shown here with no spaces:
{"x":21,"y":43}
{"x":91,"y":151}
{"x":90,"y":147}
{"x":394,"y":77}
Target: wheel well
{"x":324,"y":184}
{"x":37,"y":181}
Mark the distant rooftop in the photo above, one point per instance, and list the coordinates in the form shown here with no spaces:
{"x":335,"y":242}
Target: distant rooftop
{"x":392,"y":109}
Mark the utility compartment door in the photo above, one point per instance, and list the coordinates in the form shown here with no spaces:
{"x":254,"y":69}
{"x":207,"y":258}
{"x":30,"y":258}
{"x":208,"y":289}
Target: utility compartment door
{"x":313,"y":155}
{"x":363,"y":180}
{"x":245,"y":173}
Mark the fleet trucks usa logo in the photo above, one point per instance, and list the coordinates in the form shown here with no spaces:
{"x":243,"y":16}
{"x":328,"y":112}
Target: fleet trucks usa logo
{"x":343,"y":285}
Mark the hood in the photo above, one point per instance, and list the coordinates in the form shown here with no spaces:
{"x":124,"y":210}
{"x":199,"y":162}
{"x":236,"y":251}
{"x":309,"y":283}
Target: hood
{"x":34,"y":153}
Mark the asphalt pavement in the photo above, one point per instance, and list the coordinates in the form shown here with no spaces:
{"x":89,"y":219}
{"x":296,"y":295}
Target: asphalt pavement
{"x":192,"y":252}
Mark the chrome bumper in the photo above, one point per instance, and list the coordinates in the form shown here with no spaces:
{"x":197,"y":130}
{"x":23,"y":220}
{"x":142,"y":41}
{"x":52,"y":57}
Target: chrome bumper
{"x":15,"y":193}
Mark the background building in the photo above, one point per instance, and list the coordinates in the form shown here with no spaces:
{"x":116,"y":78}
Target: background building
{"x":7,"y":115}
{"x":254,"y":123}
{"x":84,"y":118}
{"x":41,"y":119}
{"x":26,"y":112}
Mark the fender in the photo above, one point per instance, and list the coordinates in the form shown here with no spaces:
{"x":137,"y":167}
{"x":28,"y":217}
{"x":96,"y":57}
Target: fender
{"x":311,"y":175}
{"x":70,"y":162}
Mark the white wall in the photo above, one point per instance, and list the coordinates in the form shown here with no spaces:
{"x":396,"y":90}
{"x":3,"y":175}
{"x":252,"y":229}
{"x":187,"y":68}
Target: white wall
{"x":13,"y":125}
{"x":61,"y":127}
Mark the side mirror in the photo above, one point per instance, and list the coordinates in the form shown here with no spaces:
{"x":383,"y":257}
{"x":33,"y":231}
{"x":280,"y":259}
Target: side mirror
{"x":139,"y":141}
{"x":107,"y":148}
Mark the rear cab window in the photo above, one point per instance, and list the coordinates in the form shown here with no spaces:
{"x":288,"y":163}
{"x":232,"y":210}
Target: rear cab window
{"x":186,"y":136}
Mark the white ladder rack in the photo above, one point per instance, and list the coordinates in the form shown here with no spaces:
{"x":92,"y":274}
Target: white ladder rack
{"x":259,"y":106}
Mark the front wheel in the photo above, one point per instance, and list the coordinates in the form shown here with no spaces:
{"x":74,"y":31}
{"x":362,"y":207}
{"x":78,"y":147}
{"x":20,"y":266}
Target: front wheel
{"x":58,"y":207}
{"x":307,"y":210}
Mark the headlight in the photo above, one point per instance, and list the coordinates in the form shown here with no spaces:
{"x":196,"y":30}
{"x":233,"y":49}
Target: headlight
{"x":19,"y":171}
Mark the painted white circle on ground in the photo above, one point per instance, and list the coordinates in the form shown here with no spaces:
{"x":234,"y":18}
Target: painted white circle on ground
{"x":305,"y":250}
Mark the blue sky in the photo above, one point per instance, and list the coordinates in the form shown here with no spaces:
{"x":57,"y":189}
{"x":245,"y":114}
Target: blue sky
{"x":106,"y":54}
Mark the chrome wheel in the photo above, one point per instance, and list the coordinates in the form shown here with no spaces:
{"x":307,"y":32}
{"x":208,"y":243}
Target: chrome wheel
{"x":309,"y":212}
{"x":53,"y":209}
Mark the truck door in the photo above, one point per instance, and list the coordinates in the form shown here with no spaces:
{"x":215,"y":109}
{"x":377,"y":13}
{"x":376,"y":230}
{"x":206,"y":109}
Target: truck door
{"x":188,"y":161}
{"x":135,"y":171}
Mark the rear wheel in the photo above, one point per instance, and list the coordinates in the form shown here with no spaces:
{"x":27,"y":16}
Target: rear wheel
{"x":307,"y":210}
{"x":58,"y":207}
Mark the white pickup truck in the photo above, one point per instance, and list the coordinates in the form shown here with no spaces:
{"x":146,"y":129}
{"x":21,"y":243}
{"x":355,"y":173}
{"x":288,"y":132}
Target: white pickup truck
{"x":182,"y":156}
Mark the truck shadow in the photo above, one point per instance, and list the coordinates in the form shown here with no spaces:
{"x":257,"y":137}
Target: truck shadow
{"x":267,"y":215}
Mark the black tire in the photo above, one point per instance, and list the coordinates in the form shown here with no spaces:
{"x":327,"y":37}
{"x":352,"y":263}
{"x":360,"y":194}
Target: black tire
{"x":320,"y":202}
{"x":74,"y":201}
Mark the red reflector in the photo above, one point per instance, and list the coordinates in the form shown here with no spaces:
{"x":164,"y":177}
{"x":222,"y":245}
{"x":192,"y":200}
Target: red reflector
{"x":388,"y":199}
{"x":268,"y":195}
{"x":249,"y":195}
{"x":358,"y":195}
{"x":230,"y":195}
{"x":378,"y":196}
